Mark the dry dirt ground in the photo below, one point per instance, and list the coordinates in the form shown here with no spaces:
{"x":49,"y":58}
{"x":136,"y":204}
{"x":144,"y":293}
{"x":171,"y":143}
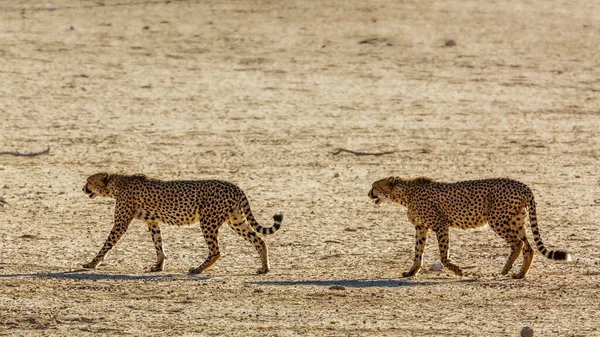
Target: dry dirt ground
{"x":262,"y":93}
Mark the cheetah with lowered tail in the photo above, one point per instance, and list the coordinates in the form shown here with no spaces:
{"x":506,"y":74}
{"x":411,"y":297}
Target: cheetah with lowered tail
{"x":467,"y":204}
{"x":179,"y":202}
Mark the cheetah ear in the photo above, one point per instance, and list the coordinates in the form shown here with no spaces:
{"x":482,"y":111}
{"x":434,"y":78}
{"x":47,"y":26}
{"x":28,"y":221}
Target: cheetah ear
{"x":105,"y":179}
{"x":390,"y":180}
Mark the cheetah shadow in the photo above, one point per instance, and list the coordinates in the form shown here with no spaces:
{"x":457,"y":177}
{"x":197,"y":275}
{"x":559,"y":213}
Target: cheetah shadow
{"x":358,"y":283}
{"x":85,"y":275}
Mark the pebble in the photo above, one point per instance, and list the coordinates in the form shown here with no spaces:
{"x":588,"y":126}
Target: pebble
{"x":450,"y":43}
{"x":436,"y":267}
{"x":527,"y":332}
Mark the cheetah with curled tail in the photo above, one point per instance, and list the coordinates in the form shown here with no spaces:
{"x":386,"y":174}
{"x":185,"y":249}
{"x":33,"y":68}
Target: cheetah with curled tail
{"x":180,"y":202}
{"x":501,"y":203}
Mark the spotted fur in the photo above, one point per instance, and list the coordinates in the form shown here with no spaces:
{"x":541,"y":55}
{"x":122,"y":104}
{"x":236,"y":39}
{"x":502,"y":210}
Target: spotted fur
{"x":502,"y":203}
{"x":182,"y":202}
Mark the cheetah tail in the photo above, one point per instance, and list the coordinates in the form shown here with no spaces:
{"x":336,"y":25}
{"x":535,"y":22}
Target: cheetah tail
{"x":277,"y":219}
{"x":559,"y":255}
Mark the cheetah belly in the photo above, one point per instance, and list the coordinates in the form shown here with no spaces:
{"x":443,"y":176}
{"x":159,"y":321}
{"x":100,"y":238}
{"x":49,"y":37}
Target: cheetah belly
{"x":175,"y":218}
{"x":462,"y":212}
{"x":469,"y":222}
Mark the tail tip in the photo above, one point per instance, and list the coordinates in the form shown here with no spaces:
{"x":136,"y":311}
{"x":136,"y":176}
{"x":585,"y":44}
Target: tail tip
{"x":560,"y":255}
{"x":278,"y":217}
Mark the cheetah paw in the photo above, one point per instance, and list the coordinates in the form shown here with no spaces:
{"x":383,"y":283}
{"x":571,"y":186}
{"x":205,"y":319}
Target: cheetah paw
{"x":518,"y":276}
{"x":157,"y":267}
{"x":262,"y":271}
{"x":89,"y":266}
{"x":195,"y":270}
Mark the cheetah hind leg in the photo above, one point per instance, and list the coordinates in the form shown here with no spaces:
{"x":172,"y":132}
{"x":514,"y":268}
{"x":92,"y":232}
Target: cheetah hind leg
{"x":239,"y":224}
{"x":512,"y":235}
{"x":211,"y":235}
{"x":506,"y":227}
{"x":516,"y":247}
{"x":528,"y":254}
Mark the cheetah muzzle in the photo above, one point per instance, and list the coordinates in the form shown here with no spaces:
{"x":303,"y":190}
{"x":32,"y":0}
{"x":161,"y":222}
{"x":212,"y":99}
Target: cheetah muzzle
{"x":89,"y":192}
{"x":376,"y":199}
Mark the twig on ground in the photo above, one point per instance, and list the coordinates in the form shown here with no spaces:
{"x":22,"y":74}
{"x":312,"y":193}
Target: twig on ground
{"x":19,"y":154}
{"x":357,"y":153}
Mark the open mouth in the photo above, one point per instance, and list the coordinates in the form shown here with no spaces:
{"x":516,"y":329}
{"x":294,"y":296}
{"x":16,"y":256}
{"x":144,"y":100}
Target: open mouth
{"x":87,"y":191}
{"x":372,"y":196}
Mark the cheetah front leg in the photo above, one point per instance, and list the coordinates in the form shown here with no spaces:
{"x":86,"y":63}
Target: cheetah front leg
{"x":420,"y":241}
{"x":157,"y":239}
{"x":443,"y":240}
{"x":116,"y":232}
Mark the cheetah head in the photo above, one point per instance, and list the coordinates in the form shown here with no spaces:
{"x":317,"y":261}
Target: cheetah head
{"x":381,"y":191}
{"x":97,"y":185}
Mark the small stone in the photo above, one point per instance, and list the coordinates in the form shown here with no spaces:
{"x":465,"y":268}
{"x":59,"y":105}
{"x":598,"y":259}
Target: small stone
{"x":450,"y":43}
{"x":527,"y":332}
{"x":258,"y":291}
{"x":436,"y":267}
{"x":337,"y":288}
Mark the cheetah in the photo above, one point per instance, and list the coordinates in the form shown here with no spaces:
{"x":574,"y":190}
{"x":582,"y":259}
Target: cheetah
{"x":179,"y":202}
{"x":501,"y":203}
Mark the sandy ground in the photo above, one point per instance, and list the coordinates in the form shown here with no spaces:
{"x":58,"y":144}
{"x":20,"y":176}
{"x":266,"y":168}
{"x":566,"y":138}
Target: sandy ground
{"x":261,"y":93}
